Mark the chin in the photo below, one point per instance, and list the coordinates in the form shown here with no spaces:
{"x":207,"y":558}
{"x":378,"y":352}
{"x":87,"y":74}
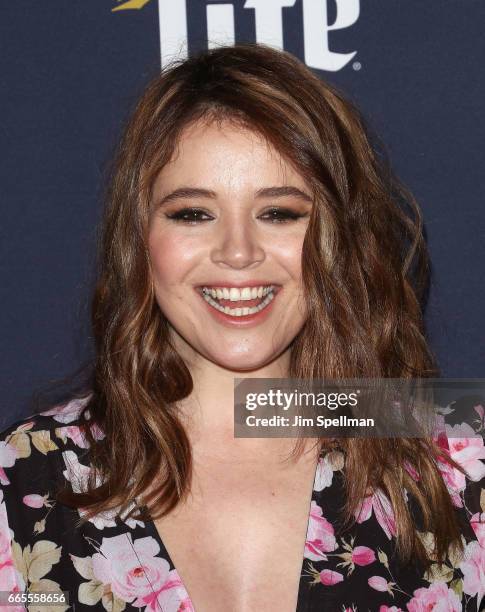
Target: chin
{"x":246,"y":362}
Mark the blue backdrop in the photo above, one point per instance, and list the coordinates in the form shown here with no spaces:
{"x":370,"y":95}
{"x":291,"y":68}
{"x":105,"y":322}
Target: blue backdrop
{"x":70,"y":71}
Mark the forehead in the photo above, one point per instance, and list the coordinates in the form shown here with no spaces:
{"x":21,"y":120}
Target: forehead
{"x":223,"y":156}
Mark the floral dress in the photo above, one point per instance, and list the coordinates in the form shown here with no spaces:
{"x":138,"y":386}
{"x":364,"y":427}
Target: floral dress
{"x":110,"y":563}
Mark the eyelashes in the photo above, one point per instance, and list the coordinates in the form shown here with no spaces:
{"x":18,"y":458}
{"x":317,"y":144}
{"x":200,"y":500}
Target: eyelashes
{"x":282,"y":215}
{"x":189,"y":215}
{"x":195,"y":216}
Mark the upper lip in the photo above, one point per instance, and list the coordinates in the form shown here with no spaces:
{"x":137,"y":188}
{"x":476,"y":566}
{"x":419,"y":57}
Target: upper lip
{"x":238,"y":284}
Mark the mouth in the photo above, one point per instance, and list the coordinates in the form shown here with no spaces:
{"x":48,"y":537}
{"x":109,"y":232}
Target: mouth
{"x":242,"y":303}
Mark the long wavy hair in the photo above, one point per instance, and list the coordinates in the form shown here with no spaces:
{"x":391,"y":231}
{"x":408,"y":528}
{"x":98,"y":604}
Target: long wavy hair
{"x":365,"y":272}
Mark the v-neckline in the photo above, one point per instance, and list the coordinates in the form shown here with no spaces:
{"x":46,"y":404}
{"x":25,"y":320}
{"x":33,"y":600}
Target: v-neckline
{"x":152,"y":530}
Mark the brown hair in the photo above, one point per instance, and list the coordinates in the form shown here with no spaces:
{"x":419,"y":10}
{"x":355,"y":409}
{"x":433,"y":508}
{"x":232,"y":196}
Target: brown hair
{"x":364,"y":272}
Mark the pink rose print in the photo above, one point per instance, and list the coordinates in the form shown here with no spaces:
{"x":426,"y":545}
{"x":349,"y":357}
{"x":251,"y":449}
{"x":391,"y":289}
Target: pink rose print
{"x":477,"y":522}
{"x":36,"y":501}
{"x":66,"y":413}
{"x":323,"y":474}
{"x":391,"y":609}
{"x":5,"y":552}
{"x":379,"y":583}
{"x":171,"y":597}
{"x":78,"y":474}
{"x":411,"y":471}
{"x":473,"y":568}
{"x":362,"y":555}
{"x":320,"y":537}
{"x":436,"y":597}
{"x":452,"y":480}
{"x":8,"y":455}
{"x":329,"y":577}
{"x":467,"y":452}
{"x":380,"y":504}
{"x":132,"y":568}
{"x":439,"y":434}
{"x":76,"y":434}
{"x":10,"y":577}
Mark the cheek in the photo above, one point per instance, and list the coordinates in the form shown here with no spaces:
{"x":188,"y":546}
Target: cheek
{"x":288,"y":253}
{"x":172,"y":257}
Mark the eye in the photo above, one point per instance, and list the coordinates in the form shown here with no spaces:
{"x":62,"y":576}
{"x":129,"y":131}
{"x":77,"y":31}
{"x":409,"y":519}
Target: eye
{"x":191,"y":216}
{"x":281,"y":215}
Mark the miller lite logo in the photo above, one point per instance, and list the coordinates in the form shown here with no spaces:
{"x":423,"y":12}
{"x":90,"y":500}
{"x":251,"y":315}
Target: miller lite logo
{"x":268,"y":18}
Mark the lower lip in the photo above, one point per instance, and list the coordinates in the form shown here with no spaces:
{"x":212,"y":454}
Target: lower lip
{"x":243,"y":320}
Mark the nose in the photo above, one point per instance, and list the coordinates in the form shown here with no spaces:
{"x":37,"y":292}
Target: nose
{"x":238,"y":246}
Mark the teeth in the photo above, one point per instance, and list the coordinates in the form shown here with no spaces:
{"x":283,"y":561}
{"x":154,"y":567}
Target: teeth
{"x":208,"y":296}
{"x":235,"y":294}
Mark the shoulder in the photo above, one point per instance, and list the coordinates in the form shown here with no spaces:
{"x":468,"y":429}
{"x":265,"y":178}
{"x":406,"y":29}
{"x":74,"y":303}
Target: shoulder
{"x":34,"y":450}
{"x":36,"y":454}
{"x":67,"y":413}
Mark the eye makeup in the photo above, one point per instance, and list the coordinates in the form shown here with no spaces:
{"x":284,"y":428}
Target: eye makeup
{"x":275,"y":214}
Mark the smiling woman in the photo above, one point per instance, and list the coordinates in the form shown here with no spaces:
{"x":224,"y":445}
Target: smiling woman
{"x":250,"y":230}
{"x":225,"y":240}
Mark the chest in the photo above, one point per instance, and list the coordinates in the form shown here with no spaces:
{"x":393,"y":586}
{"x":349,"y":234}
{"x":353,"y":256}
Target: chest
{"x":237,"y":542}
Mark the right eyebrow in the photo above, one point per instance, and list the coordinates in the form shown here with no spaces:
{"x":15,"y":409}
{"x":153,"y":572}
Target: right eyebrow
{"x":282,"y":192}
{"x":185,"y":193}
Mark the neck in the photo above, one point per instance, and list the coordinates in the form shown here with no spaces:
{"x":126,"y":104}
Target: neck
{"x":208,"y":413}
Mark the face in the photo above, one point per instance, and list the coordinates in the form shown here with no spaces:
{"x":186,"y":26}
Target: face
{"x":226,"y":231}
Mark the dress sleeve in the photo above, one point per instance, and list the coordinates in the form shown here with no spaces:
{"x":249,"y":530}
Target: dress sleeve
{"x":10,"y":578}
{"x":26,"y":468}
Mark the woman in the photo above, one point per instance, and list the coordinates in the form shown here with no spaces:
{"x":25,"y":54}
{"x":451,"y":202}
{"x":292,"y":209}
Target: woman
{"x":250,"y":231}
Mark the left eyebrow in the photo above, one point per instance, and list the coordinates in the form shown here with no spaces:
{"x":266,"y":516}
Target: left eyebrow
{"x":283,"y":192}
{"x":185,"y":193}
